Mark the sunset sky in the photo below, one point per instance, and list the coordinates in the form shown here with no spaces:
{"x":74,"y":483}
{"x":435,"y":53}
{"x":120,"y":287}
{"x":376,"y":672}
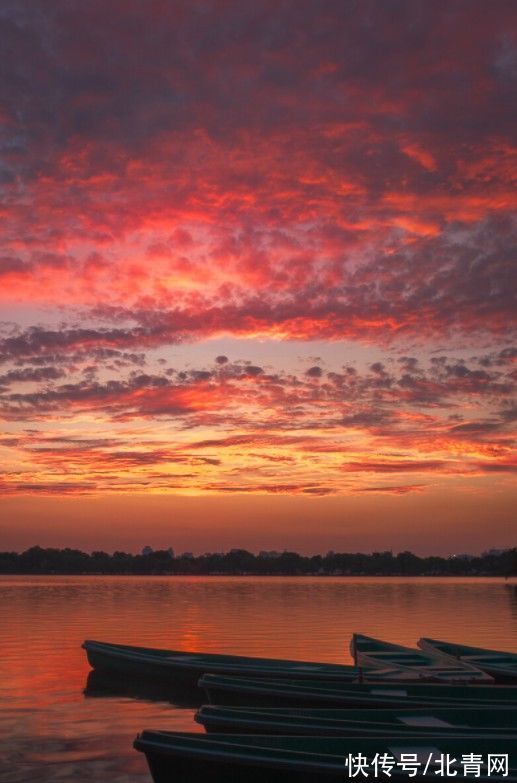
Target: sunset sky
{"x":257,"y":274}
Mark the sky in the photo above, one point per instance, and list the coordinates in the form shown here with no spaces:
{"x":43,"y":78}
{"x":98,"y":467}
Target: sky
{"x":257,"y":274}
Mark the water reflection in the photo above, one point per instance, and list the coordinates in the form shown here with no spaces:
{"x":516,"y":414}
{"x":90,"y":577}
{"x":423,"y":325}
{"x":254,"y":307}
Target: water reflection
{"x":50,"y":731}
{"x":511,"y":590}
{"x":105,"y":686}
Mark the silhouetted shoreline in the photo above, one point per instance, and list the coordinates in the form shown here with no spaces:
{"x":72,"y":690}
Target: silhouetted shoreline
{"x":240,"y":562}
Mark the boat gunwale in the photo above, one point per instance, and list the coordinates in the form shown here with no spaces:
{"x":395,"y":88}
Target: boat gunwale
{"x":497,"y":661}
{"x":264,"y":718}
{"x":364,"y":688}
{"x":175,"y":659}
{"x":429,"y":667}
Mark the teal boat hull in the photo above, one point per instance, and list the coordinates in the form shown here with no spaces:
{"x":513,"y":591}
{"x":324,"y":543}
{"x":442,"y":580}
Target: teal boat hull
{"x":500,"y":665}
{"x":180,"y":757}
{"x":245,"y":692}
{"x":417,"y":664}
{"x":461,"y":722}
{"x":185,"y":668}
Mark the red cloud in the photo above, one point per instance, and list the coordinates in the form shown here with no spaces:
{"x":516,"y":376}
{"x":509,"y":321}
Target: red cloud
{"x":301,"y":173}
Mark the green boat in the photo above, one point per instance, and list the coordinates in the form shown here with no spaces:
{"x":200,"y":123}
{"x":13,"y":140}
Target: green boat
{"x":233,"y":758}
{"x":452,"y":722}
{"x":185,"y":668}
{"x":502,"y":666}
{"x":244,"y":692}
{"x":368,"y":652}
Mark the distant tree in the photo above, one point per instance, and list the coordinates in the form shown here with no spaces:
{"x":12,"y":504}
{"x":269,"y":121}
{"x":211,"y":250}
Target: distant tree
{"x":9,"y":562}
{"x":122,"y":563}
{"x":37,"y":560}
{"x":290,"y":562}
{"x":239,"y":561}
{"x":408,"y":563}
{"x":101,"y":563}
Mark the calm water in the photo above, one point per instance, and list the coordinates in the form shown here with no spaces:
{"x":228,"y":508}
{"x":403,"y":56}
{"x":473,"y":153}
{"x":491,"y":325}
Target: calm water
{"x":51,"y":731}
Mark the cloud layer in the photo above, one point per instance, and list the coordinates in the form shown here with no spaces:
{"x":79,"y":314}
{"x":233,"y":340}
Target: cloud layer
{"x":339,"y":170}
{"x":181,"y":172}
{"x":239,"y":427}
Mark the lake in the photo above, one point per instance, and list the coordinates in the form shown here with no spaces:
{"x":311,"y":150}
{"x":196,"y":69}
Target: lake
{"x":50,"y":730}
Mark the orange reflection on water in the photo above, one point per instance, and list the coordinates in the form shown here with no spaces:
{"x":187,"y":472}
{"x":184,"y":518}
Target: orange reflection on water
{"x":47,"y":719}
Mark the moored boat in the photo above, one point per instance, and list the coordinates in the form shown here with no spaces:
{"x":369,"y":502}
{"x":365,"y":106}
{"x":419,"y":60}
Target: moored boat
{"x":244,"y":692}
{"x":416,"y":664}
{"x":500,"y":665}
{"x":228,"y":758}
{"x":452,"y":722}
{"x":187,"y":667}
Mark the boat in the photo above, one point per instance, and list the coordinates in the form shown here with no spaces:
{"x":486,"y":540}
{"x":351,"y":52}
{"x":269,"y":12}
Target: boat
{"x":452,"y":722}
{"x":368,"y":652}
{"x":185,"y":668}
{"x":246,"y":692}
{"x":502,"y":666}
{"x":185,"y":757}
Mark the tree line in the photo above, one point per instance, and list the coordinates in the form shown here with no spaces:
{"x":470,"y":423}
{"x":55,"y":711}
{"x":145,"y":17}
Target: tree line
{"x":38,"y":560}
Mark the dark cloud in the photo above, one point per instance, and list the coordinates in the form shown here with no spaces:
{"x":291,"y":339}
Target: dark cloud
{"x":253,"y":370}
{"x":32,"y":375}
{"x":270,"y":489}
{"x":367,"y":418}
{"x":397,"y":489}
{"x":395,"y":466}
{"x":43,"y":343}
{"x":477,"y":427}
{"x":497,"y":467}
{"x":47,"y":488}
